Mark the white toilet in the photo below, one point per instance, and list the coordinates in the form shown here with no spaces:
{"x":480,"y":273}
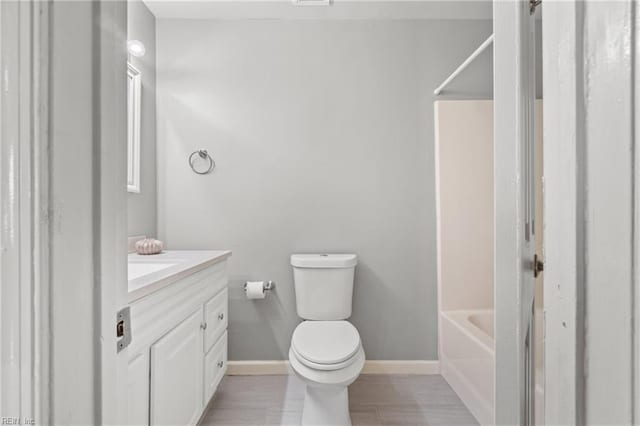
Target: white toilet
{"x":325,"y":352}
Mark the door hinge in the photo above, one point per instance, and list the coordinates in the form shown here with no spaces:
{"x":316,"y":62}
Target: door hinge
{"x":532,"y":6}
{"x":123,"y":328}
{"x":538,"y":266}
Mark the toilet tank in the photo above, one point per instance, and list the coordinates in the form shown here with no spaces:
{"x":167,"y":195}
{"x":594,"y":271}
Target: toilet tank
{"x":323,"y":285}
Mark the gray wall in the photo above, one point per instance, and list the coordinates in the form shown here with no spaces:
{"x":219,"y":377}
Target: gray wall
{"x":142,"y":207}
{"x":323,"y":136}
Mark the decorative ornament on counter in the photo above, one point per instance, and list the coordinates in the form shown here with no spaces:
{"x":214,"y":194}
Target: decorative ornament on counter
{"x":149,"y":246}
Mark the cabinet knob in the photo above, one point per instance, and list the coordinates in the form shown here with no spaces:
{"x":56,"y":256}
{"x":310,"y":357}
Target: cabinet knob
{"x":203,"y":326}
{"x":220,"y":364}
{"x":221,"y":317}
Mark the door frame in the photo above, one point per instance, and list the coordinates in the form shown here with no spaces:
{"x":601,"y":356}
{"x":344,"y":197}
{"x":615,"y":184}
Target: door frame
{"x":610,"y":235}
{"x":592,"y":211}
{"x":69,"y":211}
{"x":636,"y":206}
{"x":24,"y":170}
{"x":564,"y":212}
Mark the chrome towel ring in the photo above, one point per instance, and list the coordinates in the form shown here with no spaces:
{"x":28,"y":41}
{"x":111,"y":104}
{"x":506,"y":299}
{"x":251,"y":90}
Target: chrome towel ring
{"x":202,"y":153}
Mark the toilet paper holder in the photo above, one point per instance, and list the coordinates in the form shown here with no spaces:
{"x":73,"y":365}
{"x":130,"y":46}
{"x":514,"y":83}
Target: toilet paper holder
{"x":266,"y":285}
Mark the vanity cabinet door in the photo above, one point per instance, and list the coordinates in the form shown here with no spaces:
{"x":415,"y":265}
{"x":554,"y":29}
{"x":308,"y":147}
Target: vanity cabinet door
{"x":138,"y":389}
{"x":215,"y":365}
{"x":215,"y":314}
{"x":176,"y":374}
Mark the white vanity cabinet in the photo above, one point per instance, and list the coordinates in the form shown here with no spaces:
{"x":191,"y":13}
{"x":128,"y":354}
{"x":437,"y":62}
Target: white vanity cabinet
{"x":176,"y":374}
{"x":178,"y":353}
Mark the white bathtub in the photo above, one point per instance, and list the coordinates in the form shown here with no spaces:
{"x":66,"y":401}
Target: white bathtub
{"x":467,"y":359}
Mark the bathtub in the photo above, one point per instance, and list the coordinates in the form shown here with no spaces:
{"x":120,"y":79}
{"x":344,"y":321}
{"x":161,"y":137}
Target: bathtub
{"x":467,"y":359}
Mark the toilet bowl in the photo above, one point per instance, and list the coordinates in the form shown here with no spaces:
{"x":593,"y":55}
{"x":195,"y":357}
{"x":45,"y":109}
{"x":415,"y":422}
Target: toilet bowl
{"x":326,"y":352}
{"x":328,"y":357}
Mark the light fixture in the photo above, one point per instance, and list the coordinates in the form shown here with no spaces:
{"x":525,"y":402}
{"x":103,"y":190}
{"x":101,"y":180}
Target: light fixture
{"x":136,"y":48}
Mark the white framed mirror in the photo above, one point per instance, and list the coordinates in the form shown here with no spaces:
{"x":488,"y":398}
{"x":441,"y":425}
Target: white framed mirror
{"x":133,"y":128}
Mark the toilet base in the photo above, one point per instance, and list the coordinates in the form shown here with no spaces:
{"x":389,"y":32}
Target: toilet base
{"x":326,"y":405}
{"x":326,"y":401}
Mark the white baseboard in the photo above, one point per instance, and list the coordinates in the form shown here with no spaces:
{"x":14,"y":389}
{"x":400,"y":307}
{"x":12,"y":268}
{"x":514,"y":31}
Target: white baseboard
{"x":265,"y":368}
{"x":257,"y":368}
{"x":401,"y":367}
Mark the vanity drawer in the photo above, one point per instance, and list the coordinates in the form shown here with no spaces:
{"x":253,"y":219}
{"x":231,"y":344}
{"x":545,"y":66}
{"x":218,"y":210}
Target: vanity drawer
{"x":215,"y":365}
{"x":215,"y":316}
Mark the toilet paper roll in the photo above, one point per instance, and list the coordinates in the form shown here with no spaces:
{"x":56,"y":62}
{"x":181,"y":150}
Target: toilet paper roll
{"x":255,"y":290}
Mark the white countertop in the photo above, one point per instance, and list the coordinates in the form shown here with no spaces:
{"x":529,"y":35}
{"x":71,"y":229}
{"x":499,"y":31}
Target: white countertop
{"x":150,"y":273}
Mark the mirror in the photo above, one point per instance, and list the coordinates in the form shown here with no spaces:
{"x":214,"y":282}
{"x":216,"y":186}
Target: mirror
{"x":133,"y":128}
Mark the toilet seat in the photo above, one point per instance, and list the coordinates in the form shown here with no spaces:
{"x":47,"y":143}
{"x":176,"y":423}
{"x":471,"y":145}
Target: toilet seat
{"x":325,"y":345}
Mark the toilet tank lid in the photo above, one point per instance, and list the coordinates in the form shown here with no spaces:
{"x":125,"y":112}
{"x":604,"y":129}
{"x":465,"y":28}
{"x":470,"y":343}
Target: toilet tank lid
{"x":324,"y":260}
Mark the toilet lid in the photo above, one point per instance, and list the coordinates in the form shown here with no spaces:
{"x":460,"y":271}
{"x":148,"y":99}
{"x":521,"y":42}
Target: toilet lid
{"x":326,"y":342}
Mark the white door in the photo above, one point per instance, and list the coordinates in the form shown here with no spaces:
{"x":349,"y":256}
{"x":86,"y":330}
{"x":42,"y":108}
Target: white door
{"x":514,"y":96}
{"x":113,"y":210}
{"x":176,"y":374}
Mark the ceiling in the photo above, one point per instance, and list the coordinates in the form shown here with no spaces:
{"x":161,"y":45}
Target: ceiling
{"x":339,"y":9}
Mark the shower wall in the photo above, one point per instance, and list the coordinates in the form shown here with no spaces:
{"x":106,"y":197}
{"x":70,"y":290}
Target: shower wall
{"x":464,"y":163}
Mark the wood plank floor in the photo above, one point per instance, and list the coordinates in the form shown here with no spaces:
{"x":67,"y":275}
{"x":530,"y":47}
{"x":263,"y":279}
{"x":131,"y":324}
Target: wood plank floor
{"x":374,"y":400}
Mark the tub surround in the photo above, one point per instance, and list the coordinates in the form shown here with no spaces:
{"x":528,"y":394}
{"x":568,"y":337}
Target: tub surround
{"x":150,"y":273}
{"x":464,"y":164}
{"x":465,"y":169}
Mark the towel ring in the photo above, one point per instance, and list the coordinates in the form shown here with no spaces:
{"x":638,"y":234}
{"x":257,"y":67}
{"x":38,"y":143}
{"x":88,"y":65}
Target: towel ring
{"x":202,"y":153}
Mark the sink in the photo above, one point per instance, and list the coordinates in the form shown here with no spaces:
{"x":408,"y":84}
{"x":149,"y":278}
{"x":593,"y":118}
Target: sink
{"x":139,"y":269}
{"x":149,"y":273}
